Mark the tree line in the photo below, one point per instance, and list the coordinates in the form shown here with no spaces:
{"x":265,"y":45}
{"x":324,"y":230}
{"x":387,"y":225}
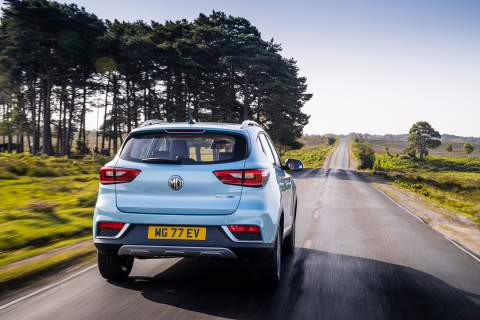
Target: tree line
{"x":59,"y":62}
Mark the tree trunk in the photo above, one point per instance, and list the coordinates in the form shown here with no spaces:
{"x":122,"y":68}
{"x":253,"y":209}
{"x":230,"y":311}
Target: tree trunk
{"x":129,"y":108}
{"x":82,"y":140}
{"x":59,"y":126}
{"x":69,"y":129}
{"x":22,"y":122}
{"x":105,"y":114}
{"x":33,"y":111}
{"x":64,"y":122}
{"x":114,"y":113}
{"x":47,"y":133}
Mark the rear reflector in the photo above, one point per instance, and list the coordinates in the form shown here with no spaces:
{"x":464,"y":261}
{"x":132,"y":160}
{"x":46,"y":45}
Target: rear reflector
{"x":246,"y":232}
{"x":109,"y":225}
{"x":117,"y":175}
{"x":244,"y":228}
{"x":246,"y":178}
{"x":109,"y":229}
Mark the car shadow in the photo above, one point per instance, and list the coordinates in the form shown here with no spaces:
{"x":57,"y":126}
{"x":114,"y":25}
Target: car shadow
{"x":316,"y":285}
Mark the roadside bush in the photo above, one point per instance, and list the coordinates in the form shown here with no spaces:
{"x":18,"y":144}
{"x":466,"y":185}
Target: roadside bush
{"x":365,"y":155}
{"x":5,"y":175}
{"x":331,"y":141}
{"x":87,"y":201}
{"x":42,"y":172}
{"x":41,"y":207}
{"x":20,"y":169}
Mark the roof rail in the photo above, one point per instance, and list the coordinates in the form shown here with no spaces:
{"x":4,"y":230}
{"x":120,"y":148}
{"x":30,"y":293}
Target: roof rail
{"x":249,"y":123}
{"x":152,"y":122}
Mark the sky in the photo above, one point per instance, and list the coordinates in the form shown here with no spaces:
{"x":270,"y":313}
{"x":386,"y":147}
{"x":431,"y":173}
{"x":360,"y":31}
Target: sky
{"x":372,"y":66}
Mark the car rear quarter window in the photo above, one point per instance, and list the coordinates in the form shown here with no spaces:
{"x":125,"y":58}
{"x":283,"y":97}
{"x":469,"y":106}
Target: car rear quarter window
{"x":202,"y":148}
{"x":274,"y":151}
{"x":266,"y":148}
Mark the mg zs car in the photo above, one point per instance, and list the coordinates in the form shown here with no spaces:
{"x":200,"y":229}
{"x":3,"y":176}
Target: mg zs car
{"x":195,"y":190}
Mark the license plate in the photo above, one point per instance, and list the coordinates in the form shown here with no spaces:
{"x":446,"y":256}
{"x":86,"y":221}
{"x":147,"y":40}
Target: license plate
{"x":177,"y":233}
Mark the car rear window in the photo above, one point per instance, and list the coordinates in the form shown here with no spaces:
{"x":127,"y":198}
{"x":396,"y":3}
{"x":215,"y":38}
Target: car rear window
{"x":202,"y":148}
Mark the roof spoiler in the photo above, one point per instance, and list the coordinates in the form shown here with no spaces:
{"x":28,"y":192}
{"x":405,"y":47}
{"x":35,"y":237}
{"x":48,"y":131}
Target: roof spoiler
{"x":152,"y":122}
{"x":249,"y":123}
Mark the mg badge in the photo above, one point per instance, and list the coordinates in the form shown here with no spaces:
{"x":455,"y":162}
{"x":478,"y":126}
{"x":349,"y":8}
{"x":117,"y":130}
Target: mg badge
{"x":175,"y":182}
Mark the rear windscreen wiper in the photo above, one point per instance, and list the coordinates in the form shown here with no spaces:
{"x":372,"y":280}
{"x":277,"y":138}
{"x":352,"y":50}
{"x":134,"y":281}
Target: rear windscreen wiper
{"x":162,"y":160}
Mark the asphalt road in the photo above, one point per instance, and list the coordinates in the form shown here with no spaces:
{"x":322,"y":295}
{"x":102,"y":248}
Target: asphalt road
{"x":359,"y":256}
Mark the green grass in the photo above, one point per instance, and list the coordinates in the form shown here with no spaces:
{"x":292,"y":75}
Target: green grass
{"x":312,"y":157}
{"x":35,"y":268}
{"x":450,"y":182}
{"x":45,"y":203}
{"x":27,"y":252}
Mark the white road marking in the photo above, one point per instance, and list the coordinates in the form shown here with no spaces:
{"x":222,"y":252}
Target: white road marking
{"x":401,"y":207}
{"x":421,"y":220}
{"x":51,"y":286}
{"x":307,"y":244}
{"x":463,"y":249}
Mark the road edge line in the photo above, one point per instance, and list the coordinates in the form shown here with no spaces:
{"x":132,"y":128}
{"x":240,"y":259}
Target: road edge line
{"x":401,"y":206}
{"x":456,"y":244}
{"x":46,"y":288}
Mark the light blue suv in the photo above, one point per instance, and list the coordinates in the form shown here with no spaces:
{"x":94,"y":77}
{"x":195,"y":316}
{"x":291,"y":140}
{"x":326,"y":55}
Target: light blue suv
{"x":195,"y":190}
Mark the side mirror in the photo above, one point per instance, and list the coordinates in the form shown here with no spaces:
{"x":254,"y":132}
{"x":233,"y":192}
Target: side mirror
{"x":293,"y":165}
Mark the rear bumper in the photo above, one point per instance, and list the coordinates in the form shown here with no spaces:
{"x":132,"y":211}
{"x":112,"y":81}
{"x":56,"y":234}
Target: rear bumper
{"x":141,"y":251}
{"x":134,"y":242}
{"x":167,"y":251}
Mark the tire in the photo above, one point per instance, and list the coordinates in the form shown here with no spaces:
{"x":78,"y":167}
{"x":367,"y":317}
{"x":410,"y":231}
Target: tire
{"x":113,"y":267}
{"x":273,"y":264}
{"x":289,"y":242}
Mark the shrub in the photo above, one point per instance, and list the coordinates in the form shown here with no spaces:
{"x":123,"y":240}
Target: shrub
{"x":87,"y":201}
{"x":468,"y":148}
{"x":331,"y":140}
{"x":365,"y":155}
{"x":5,"y":175}
{"x":41,"y":207}
{"x":42,"y":172}
{"x":19,"y":169}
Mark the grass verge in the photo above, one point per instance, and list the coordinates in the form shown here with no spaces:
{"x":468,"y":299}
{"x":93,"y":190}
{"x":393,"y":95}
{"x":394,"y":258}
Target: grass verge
{"x":46,"y":204}
{"x":450,"y":182}
{"x":28,"y":271}
{"x":312,"y":157}
{"x":25,"y":253}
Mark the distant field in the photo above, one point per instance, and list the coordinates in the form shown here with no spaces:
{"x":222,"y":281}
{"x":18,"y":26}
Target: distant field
{"x":451,"y":182}
{"x":45,"y":202}
{"x":398,"y":147}
{"x":312,"y":157}
{"x":314,"y":140}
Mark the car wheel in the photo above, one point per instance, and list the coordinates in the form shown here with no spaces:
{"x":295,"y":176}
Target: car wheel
{"x":273,"y":265}
{"x":113,"y":267}
{"x":289,"y":242}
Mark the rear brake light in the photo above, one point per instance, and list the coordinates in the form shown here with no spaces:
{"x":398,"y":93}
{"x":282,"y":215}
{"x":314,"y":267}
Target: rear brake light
{"x":246,"y":178}
{"x":185,"y":130}
{"x":109,"y":225}
{"x":241,"y":228}
{"x":117,"y":175}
